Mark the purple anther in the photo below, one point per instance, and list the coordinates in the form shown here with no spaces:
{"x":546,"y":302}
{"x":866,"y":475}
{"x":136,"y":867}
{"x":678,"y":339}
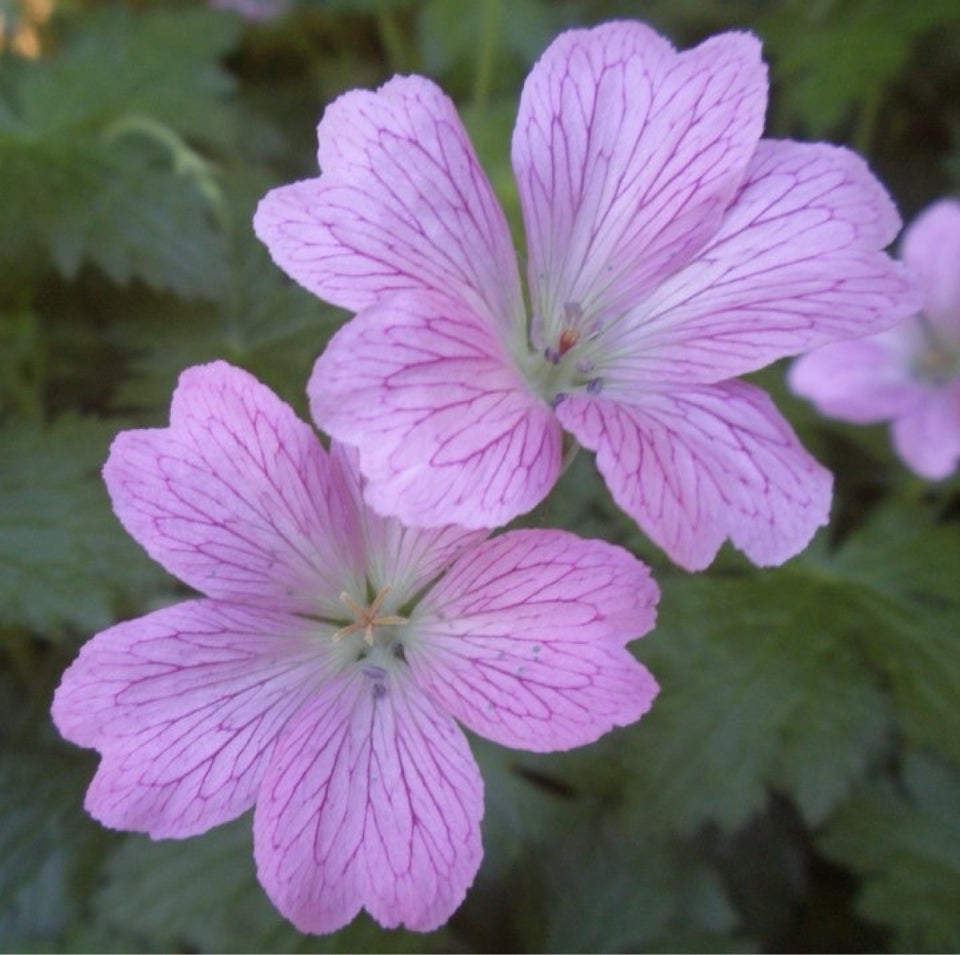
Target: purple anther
{"x":593,"y":386}
{"x":552,"y":355}
{"x":374,"y":672}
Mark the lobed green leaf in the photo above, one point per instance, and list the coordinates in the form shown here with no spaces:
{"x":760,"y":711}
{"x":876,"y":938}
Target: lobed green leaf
{"x":67,"y":560}
{"x":905,"y":843}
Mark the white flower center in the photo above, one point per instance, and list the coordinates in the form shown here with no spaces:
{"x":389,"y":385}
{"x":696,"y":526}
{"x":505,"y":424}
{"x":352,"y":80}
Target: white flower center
{"x":562,"y":363}
{"x":371,"y":642}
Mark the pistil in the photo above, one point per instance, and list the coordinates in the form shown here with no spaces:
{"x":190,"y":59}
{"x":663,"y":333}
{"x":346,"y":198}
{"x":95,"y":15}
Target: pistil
{"x":366,"y":618}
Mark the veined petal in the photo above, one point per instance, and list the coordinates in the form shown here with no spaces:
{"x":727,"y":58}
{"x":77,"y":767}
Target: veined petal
{"x":234,"y":498}
{"x":402,"y":204}
{"x":523,"y":639}
{"x":373,"y":800}
{"x":697,"y":467}
{"x":927,"y":438}
{"x":447,"y":430}
{"x":185,"y":706}
{"x":404,"y":558}
{"x":626,"y":154}
{"x":864,"y":380}
{"x":796,"y":264}
{"x":931,"y":250}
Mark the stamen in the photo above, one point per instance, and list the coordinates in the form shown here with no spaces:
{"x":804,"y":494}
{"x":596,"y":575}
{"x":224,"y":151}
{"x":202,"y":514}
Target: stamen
{"x":351,"y":604}
{"x":366,"y":619}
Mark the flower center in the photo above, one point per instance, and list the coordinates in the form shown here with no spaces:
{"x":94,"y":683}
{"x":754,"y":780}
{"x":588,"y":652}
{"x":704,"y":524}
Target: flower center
{"x":565,"y":364}
{"x":938,"y":360}
{"x":936,"y":366}
{"x":367,"y":618}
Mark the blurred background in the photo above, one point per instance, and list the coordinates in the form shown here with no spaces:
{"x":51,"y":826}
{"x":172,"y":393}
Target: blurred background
{"x":796,"y":786}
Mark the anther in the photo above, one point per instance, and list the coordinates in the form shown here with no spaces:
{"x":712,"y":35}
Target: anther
{"x":568,"y":338}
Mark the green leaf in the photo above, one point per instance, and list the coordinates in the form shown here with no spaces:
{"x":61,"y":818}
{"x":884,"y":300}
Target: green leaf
{"x":905,"y":843}
{"x":832,"y":57}
{"x":66,"y":558}
{"x":565,"y":869}
{"x":159,"y":63}
{"x":201,"y":894}
{"x":897,"y":576}
{"x":761,"y":685}
{"x":789,"y":678}
{"x":111,"y":206}
{"x":448,"y":34}
{"x":522,"y":810}
{"x":262,"y":321}
{"x":21,"y":362}
{"x":47,"y":845}
{"x":96,"y":160}
{"x":604,"y":889}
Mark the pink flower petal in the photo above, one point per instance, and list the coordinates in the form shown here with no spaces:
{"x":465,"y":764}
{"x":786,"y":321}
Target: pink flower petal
{"x":931,"y":249}
{"x":447,"y":430}
{"x":402,"y":204}
{"x":234,"y":498}
{"x":794,"y":265}
{"x":523,"y":639}
{"x":712,"y":462}
{"x":928,"y":438}
{"x":864,"y":380}
{"x":626,"y":154}
{"x":372,"y":800}
{"x":404,"y":558}
{"x":185,"y":706}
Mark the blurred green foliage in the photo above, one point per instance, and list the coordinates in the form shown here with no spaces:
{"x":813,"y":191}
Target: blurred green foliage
{"x":796,"y":786}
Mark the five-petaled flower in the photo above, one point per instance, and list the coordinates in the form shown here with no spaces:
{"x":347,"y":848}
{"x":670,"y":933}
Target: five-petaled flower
{"x":319,"y":676}
{"x":909,"y":375}
{"x":669,"y":250}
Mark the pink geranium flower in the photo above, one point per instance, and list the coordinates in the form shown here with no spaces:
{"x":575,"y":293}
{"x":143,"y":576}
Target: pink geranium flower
{"x":909,"y":375}
{"x":320,"y":675}
{"x":255,"y":10}
{"x":669,"y":249}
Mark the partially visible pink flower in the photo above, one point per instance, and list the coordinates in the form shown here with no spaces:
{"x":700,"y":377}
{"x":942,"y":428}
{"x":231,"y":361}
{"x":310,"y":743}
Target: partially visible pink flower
{"x":909,"y":375}
{"x":320,"y":675}
{"x":255,"y":10}
{"x":669,"y":249}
